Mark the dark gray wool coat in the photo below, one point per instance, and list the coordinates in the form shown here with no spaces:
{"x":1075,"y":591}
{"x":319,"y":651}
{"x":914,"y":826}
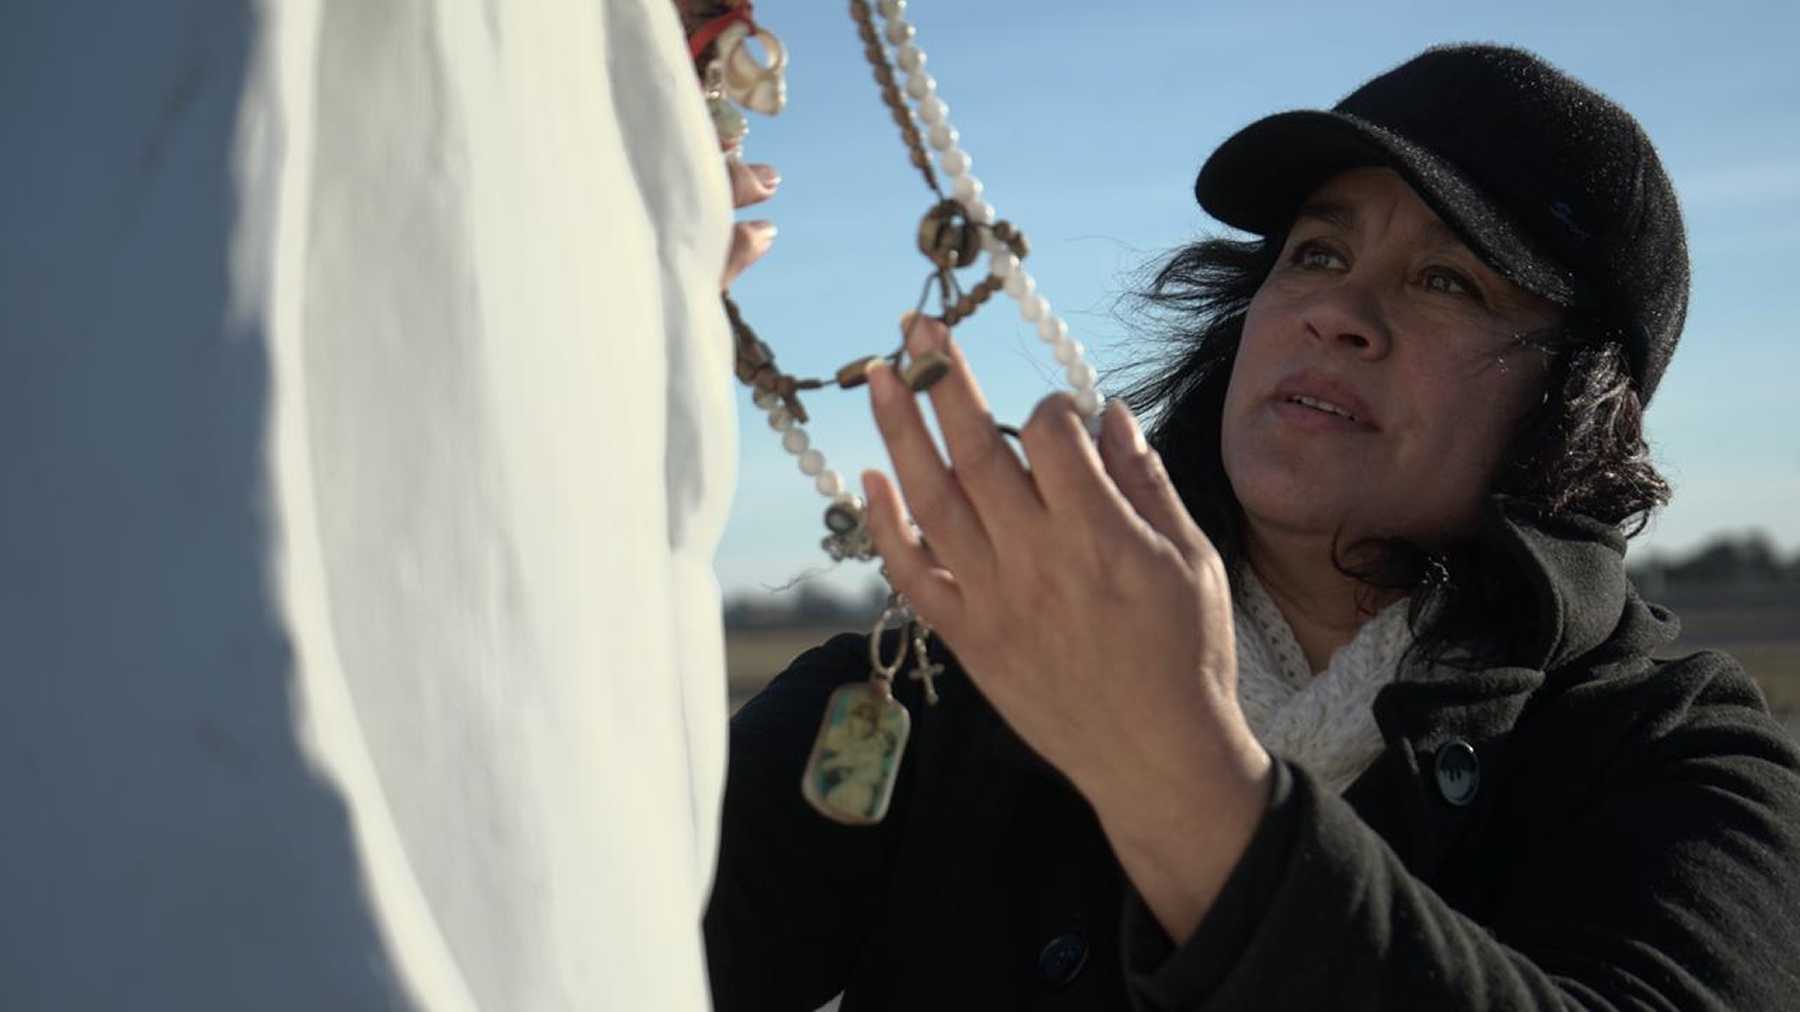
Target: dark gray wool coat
{"x":1628,"y":836}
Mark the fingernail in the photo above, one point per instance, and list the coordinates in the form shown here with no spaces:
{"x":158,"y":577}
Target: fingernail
{"x":879,"y":374}
{"x":766,"y":229}
{"x":922,"y":335}
{"x":766,"y":175}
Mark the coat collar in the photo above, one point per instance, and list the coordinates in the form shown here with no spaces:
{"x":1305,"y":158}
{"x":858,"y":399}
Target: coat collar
{"x":1571,"y":572}
{"x":1576,"y":600}
{"x":1575,"y":568}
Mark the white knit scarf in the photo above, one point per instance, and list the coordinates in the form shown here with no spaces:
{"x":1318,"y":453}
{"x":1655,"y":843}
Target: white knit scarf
{"x":1324,"y":722}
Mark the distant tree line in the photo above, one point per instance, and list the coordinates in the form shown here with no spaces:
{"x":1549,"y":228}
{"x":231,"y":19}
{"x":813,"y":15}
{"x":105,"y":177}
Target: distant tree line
{"x":809,"y":605}
{"x":1727,"y":567}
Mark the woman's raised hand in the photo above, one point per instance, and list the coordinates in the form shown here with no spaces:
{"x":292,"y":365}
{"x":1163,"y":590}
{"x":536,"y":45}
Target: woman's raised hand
{"x":1087,"y":606}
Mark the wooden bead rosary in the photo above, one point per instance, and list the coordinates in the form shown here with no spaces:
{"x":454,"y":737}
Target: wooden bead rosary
{"x":856,"y":755}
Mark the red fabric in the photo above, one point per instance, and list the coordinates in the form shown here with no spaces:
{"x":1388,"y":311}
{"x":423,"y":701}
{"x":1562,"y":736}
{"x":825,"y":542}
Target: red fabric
{"x":706,"y":33}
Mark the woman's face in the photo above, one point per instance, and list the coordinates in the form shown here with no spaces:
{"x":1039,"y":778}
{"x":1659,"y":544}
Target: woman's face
{"x":1379,"y":379}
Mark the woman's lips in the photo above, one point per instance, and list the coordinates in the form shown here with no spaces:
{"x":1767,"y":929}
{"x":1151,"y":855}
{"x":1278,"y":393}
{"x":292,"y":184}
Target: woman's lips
{"x":1314,"y":420}
{"x":1322,"y":404}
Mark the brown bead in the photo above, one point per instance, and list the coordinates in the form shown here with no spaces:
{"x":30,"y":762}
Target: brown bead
{"x":855,"y":374}
{"x":946,"y":237}
{"x":932,"y":240}
{"x":923,"y":371}
{"x":1018,"y":244}
{"x":968,"y":244}
{"x":859,"y":11}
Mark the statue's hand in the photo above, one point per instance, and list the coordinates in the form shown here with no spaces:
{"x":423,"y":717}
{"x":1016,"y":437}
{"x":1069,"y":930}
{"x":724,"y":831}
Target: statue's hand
{"x":750,"y":184}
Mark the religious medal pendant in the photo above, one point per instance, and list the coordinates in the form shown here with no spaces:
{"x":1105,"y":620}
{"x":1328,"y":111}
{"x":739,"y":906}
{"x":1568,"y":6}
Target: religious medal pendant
{"x":855,"y":759}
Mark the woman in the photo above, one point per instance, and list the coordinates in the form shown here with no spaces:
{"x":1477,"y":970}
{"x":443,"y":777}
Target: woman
{"x":1333,"y":691}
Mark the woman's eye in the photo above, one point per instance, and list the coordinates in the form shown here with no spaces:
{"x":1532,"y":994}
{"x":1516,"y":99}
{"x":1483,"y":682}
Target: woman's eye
{"x":1448,"y":282}
{"x":1317,"y":256}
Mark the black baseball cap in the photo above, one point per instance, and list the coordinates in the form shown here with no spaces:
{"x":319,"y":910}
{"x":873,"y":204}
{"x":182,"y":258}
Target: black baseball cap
{"x":1551,"y":183}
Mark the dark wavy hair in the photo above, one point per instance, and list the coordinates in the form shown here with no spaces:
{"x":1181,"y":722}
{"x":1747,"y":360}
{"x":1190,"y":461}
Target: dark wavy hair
{"x":1580,"y":451}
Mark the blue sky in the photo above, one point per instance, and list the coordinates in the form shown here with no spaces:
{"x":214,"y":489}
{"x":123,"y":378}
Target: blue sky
{"x":1087,"y":123}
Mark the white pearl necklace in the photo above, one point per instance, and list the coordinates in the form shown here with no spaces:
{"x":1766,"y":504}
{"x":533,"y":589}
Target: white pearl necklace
{"x":921,"y":90}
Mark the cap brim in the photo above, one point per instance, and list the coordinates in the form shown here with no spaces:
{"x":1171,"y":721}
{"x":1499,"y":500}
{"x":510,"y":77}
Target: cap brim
{"x":1258,"y":178}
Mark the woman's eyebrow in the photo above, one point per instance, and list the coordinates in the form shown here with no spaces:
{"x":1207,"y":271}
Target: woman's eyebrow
{"x":1342,"y":216}
{"x":1444,"y":235}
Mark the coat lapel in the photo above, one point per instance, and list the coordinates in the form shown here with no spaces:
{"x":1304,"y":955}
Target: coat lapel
{"x":1401,"y":796}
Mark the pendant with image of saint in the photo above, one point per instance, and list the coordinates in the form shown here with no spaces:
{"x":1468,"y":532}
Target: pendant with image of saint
{"x":855,"y":759}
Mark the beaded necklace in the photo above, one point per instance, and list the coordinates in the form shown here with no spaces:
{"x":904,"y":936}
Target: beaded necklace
{"x":855,"y":758}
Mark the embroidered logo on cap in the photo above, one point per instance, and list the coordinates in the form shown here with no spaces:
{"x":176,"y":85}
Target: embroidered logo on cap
{"x":1566,"y":214}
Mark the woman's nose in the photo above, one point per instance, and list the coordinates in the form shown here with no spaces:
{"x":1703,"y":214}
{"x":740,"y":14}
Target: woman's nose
{"x":1351,"y":315}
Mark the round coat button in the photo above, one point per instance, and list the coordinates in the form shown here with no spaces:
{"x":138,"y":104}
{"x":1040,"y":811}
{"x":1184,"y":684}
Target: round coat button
{"x":1063,"y":957}
{"x":1458,"y":772}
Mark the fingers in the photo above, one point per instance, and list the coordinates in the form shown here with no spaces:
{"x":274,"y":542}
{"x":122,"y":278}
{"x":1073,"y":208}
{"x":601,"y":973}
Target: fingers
{"x":911,"y":567}
{"x":994,"y":479}
{"x":749,"y":241}
{"x":1069,"y":474}
{"x":934,"y":493}
{"x":1141,"y":478}
{"x":751,"y":184}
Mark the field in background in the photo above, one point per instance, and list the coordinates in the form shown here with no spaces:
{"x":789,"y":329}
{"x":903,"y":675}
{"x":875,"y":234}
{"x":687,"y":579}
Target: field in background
{"x":1777,"y":669}
{"x":1765,"y":639}
{"x":753,"y":656}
